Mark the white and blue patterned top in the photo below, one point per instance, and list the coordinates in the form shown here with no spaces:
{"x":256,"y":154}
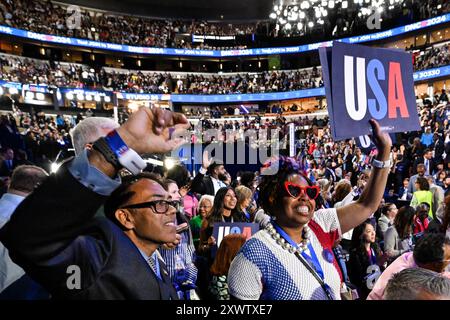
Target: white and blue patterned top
{"x":264,"y":270}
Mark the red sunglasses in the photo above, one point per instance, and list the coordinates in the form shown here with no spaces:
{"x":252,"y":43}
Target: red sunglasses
{"x":295,"y":190}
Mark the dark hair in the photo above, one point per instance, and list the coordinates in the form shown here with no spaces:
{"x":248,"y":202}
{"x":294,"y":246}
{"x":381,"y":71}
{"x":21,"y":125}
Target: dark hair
{"x":217,"y":209}
{"x":212,"y":166}
{"x":179,"y":174}
{"x":423,"y":206}
{"x":358,"y":240}
{"x":271,"y":188}
{"x":166,"y":183}
{"x":403,"y":221}
{"x":122,"y":194}
{"x":357,"y":243}
{"x":386,"y":207}
{"x":247,"y":179}
{"x":430,"y":248}
{"x":423,"y":183}
{"x":228,"y":249}
{"x":26,"y":177}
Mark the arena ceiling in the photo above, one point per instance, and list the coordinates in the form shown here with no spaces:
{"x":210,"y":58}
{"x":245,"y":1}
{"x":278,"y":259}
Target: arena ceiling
{"x":186,"y":9}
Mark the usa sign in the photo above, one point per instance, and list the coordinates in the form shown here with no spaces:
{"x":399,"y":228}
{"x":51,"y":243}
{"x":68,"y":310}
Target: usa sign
{"x":368,"y":83}
{"x":222,"y":229}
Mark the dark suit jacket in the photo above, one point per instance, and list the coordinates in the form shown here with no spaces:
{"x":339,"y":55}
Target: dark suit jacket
{"x":400,"y":192}
{"x":202,"y":184}
{"x":54,"y":229}
{"x":4,"y":170}
{"x":431,"y":164}
{"x":439,"y":149}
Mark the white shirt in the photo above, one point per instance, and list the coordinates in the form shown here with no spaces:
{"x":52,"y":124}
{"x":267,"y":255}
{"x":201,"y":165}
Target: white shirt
{"x":427,"y":168}
{"x":9,"y":271}
{"x":217,"y":184}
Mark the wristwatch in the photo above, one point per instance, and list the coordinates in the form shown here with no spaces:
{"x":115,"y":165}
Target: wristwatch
{"x":116,"y":152}
{"x":381,"y":164}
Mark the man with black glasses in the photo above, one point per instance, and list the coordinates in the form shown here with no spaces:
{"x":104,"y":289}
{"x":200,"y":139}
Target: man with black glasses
{"x":54,"y":238}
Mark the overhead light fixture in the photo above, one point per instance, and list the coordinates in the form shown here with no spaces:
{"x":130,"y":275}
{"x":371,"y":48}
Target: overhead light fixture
{"x":292,"y":15}
{"x":29,"y":95}
{"x":169,"y":163}
{"x":54,"y":167}
{"x":13,"y":90}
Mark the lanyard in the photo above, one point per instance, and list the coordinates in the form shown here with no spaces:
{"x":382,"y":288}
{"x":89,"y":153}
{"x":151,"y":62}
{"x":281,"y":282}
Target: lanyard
{"x":247,"y":214}
{"x":310,"y":259}
{"x":313,"y":261}
{"x":157,"y":267}
{"x":372,"y":257}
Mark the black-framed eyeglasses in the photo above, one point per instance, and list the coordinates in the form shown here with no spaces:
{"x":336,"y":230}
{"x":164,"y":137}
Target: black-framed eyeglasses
{"x":159,"y":206}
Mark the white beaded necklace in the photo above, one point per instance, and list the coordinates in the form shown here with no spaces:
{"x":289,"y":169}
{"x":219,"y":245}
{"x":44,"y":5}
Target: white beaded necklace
{"x":286,"y":245}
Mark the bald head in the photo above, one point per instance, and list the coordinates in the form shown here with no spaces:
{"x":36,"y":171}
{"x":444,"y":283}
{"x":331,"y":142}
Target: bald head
{"x":26,"y":178}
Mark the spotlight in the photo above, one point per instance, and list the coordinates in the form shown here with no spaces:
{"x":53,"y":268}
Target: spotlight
{"x":13,"y":90}
{"x":69,"y":96}
{"x":107,"y":99}
{"x":40,"y":96}
{"x":54,"y":167}
{"x":80,"y":96}
{"x":29,"y":95}
{"x":169,"y":163}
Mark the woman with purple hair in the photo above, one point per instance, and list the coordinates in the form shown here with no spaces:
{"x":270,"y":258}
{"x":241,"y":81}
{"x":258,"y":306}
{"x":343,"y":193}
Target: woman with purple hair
{"x":292,"y":258}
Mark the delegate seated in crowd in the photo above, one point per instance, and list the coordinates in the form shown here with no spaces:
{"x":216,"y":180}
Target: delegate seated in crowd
{"x":117,"y":256}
